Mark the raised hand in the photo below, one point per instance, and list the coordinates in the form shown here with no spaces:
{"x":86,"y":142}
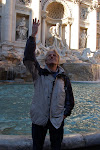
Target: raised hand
{"x":35,"y":27}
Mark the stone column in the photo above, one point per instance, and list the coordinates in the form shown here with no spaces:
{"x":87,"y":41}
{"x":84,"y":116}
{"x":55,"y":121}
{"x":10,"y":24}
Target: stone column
{"x":67,"y":35}
{"x":43,"y":27}
{"x":2,"y":22}
{"x":60,"y":31}
{"x":69,"y":42}
{"x":69,"y":23}
{"x":43,"y":31}
{"x":13,"y":21}
{"x":75,"y":27}
{"x":92,"y":30}
{"x":36,"y":13}
{"x":8,"y":20}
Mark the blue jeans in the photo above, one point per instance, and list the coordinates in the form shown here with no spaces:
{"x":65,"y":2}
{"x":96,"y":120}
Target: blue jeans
{"x":39,"y":133}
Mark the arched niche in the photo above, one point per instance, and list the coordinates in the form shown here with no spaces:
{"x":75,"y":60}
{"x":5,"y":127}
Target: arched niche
{"x":55,"y":12}
{"x":55,"y":15}
{"x":64,"y":3}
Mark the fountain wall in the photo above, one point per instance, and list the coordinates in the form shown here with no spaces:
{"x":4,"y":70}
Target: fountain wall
{"x":82,"y":71}
{"x":72,"y":141}
{"x":57,"y":29}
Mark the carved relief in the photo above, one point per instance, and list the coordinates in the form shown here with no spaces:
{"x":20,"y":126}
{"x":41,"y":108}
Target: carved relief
{"x":44,"y":14}
{"x":22,"y":30}
{"x":94,"y":4}
{"x":43,"y":3}
{"x":77,"y":1}
{"x":84,"y":13}
{"x":25,"y":1}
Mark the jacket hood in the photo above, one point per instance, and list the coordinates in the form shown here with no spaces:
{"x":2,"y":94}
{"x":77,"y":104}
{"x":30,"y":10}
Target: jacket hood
{"x":59,"y":69}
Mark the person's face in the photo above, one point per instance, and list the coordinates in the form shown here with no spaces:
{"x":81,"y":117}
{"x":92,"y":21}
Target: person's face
{"x":52,"y":58}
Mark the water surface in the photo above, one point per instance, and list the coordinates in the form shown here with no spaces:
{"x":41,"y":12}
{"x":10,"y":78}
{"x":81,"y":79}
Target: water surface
{"x":15,"y":100}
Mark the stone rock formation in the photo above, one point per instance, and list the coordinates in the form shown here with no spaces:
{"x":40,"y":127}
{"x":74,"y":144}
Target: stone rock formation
{"x":82,"y":71}
{"x":79,"y":64}
{"x":11,"y":65}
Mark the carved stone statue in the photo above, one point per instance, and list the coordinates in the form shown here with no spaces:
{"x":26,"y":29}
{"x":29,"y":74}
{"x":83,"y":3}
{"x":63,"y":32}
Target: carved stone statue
{"x":83,"y":38}
{"x":22,"y":30}
{"x":85,"y":54}
{"x":58,"y":43}
{"x":54,"y":30}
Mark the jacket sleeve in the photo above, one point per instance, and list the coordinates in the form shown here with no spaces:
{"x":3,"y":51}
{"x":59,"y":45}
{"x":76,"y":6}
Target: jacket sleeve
{"x":69,"y":100}
{"x":29,"y":59}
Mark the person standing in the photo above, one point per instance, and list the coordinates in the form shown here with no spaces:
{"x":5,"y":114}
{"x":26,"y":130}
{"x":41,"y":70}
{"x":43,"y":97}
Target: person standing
{"x":53,"y":98}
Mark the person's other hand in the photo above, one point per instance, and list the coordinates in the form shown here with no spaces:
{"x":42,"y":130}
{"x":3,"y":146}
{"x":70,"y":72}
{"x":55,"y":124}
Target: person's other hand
{"x":35,"y":27}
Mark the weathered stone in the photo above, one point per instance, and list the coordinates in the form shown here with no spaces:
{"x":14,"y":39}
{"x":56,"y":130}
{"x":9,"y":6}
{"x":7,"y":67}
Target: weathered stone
{"x":82,"y":71}
{"x":11,"y":66}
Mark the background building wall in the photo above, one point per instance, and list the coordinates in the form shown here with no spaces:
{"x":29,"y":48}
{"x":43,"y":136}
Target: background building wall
{"x":12,"y":10}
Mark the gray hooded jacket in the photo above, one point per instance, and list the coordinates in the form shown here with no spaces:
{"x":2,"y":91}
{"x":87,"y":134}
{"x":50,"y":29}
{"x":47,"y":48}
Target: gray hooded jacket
{"x":50,"y":100}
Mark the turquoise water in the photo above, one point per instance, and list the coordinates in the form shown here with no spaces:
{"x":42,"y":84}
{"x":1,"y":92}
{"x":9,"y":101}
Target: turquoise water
{"x":15,"y":103}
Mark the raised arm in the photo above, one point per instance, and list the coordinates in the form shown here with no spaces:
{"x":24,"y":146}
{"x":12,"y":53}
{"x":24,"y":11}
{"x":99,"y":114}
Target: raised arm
{"x":29,"y":54}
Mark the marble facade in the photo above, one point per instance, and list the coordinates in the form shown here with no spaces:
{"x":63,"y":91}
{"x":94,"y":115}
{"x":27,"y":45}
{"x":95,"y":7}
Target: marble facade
{"x":71,"y":26}
{"x":77,"y":19}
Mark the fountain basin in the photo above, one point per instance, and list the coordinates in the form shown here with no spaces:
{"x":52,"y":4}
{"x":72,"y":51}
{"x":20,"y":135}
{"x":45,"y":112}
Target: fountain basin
{"x":71,"y":141}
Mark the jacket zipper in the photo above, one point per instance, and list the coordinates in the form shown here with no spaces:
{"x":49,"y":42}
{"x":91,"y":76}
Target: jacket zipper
{"x":51,"y":94}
